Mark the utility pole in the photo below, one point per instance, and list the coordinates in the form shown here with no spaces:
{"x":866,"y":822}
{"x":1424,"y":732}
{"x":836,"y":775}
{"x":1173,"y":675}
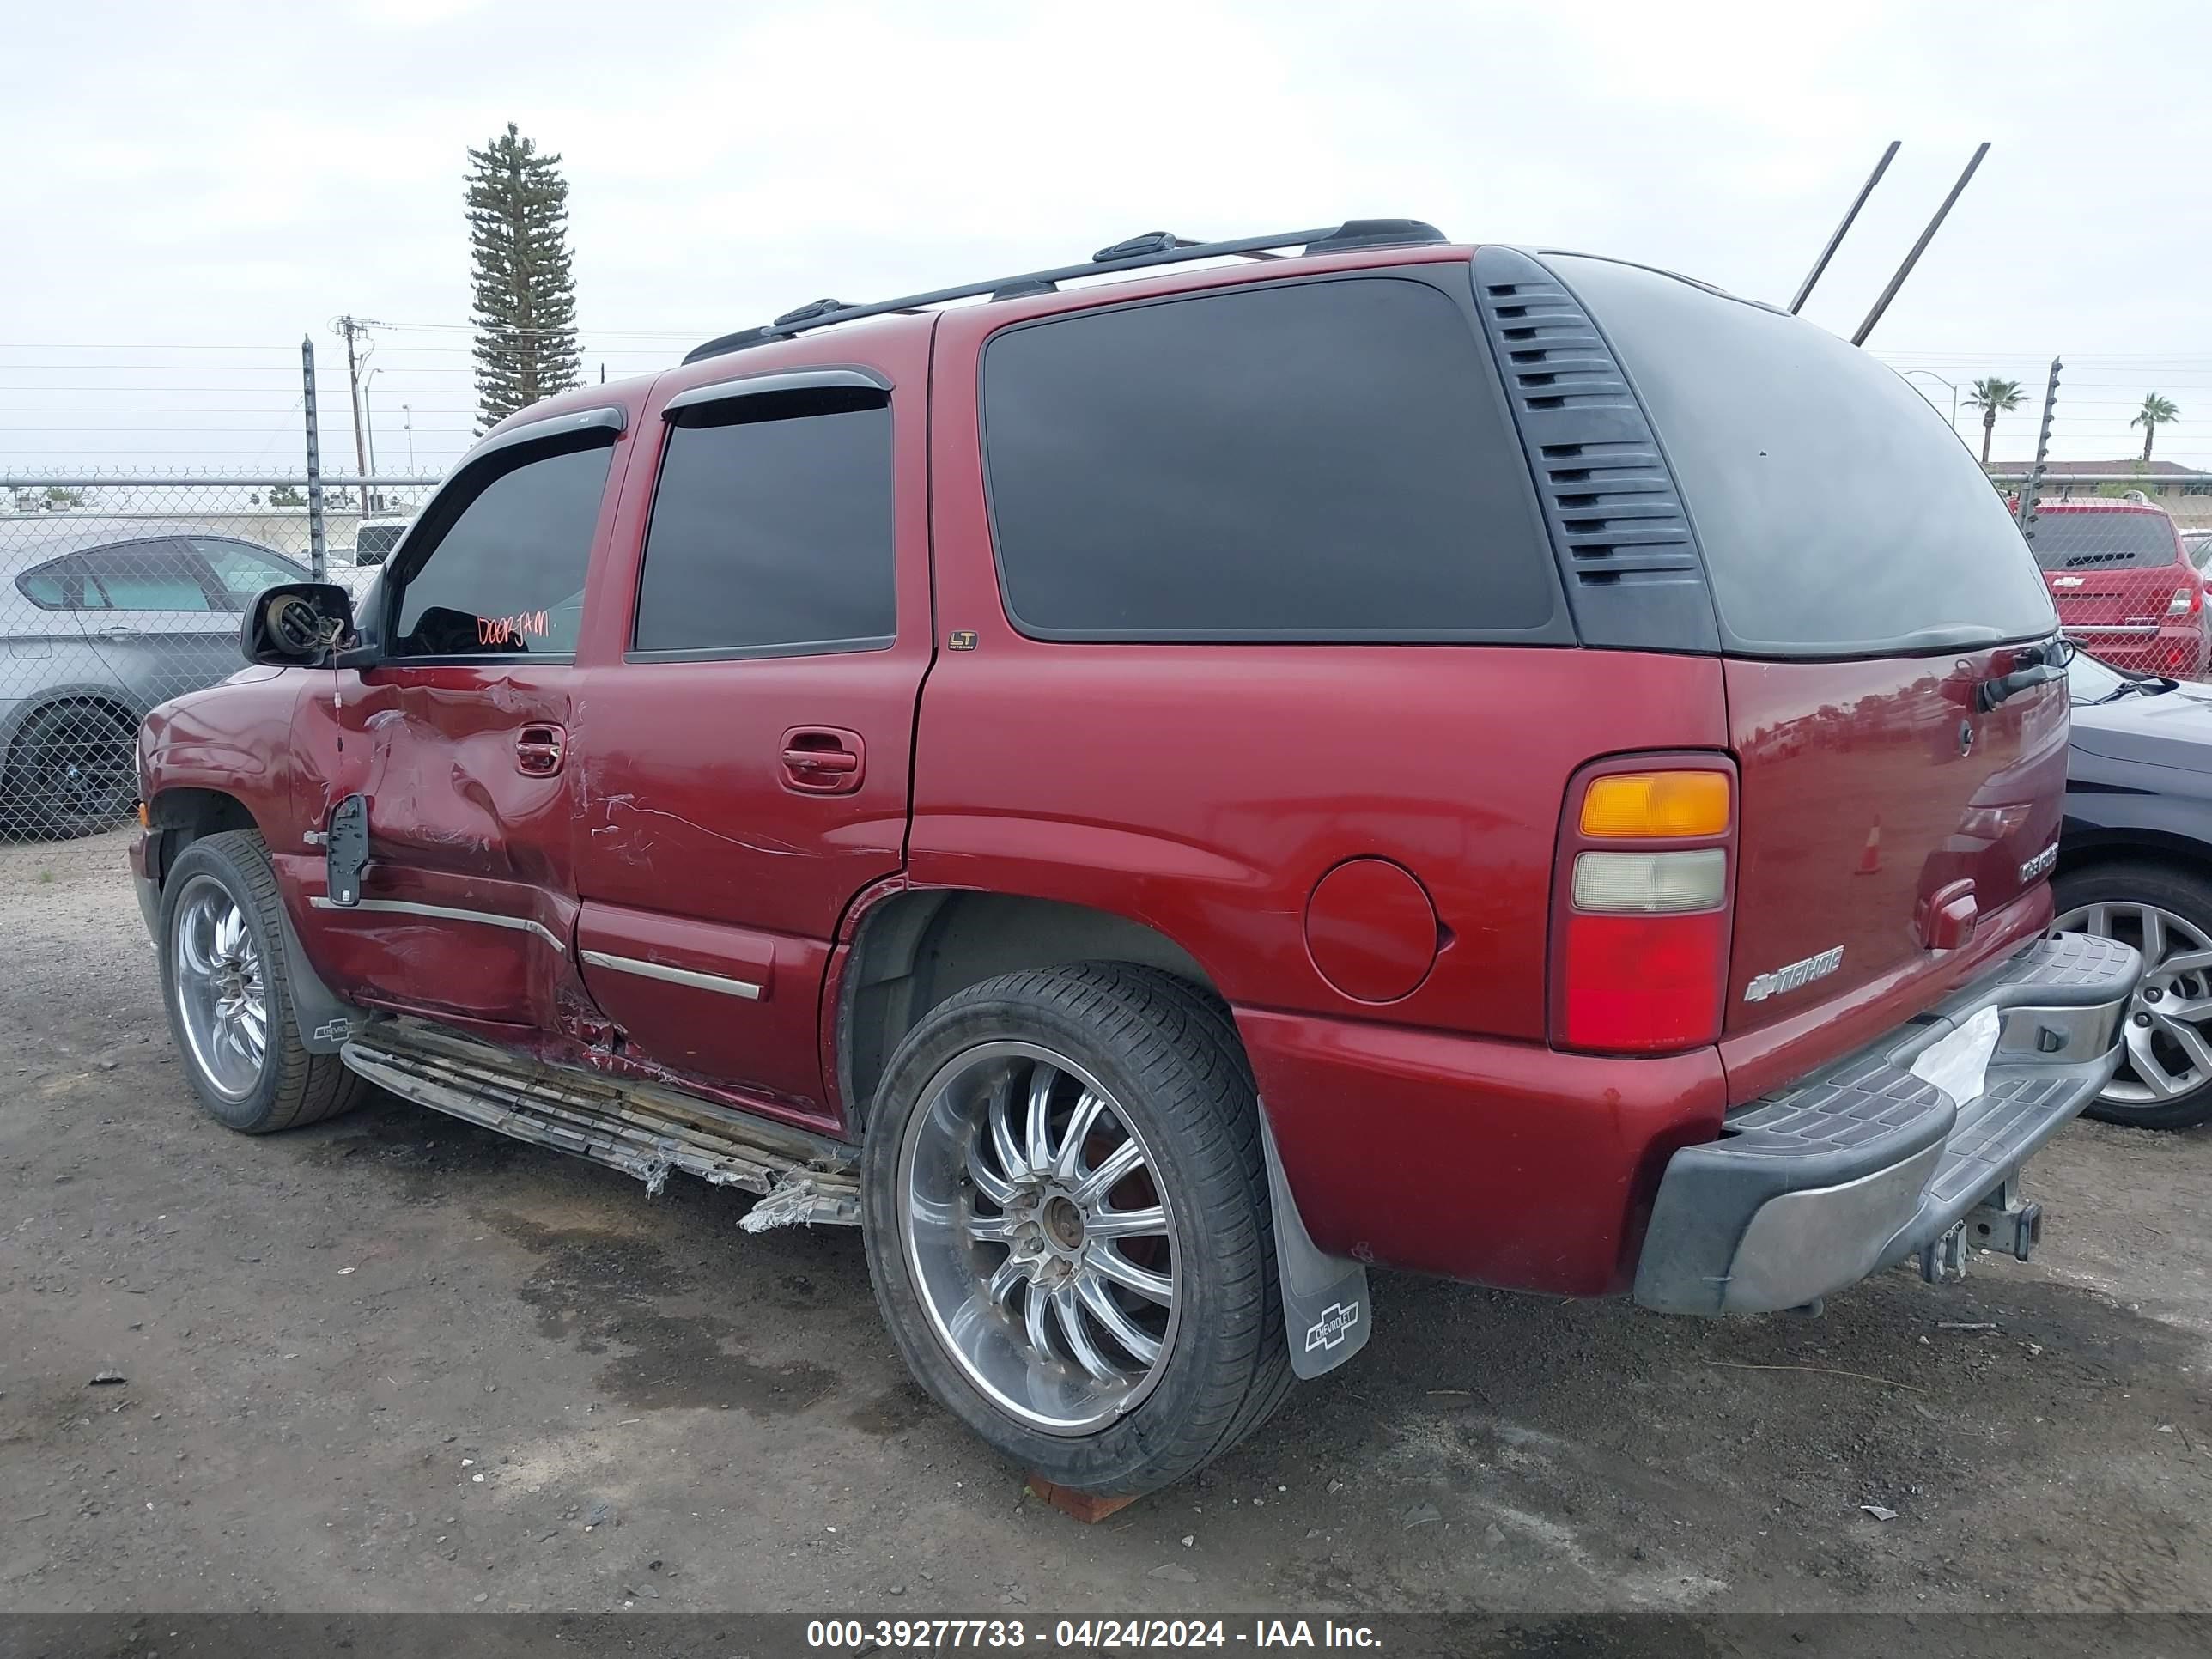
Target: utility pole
{"x":352,"y":327}
{"x":369,"y":420}
{"x":407,"y":419}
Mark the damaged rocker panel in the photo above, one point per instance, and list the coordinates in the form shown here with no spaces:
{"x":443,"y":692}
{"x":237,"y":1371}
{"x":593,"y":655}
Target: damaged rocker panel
{"x":643,"y":1129}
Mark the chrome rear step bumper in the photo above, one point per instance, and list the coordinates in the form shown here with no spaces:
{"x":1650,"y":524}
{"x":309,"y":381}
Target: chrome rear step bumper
{"x":1864,"y":1164}
{"x":640,"y":1128}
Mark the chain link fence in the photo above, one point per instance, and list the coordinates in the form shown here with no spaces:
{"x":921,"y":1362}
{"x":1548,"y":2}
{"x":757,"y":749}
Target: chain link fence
{"x":123,"y":585}
{"x":117,"y":593}
{"x":2124,"y":558}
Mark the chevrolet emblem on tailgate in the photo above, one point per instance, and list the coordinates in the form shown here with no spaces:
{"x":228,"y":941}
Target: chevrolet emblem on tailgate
{"x":1797,"y":974}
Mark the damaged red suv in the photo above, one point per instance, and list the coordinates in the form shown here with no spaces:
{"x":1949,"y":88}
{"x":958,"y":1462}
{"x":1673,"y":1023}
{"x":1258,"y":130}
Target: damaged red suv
{"x":1150,"y":796}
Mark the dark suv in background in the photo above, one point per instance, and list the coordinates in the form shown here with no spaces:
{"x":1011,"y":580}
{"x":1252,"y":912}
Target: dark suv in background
{"x":1152,"y":797}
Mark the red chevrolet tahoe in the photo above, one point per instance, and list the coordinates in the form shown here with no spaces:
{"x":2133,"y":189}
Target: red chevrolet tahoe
{"x":1151,"y":795}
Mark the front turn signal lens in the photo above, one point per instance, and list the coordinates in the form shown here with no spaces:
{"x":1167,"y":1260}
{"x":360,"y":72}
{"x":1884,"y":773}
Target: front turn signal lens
{"x":1657,"y":806}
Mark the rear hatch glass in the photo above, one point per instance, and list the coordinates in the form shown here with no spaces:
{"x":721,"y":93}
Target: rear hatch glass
{"x":2085,"y":540}
{"x":1867,"y":578}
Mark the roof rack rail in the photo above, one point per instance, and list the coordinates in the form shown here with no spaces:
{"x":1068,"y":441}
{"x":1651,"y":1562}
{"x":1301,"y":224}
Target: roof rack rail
{"x":1154,"y":247}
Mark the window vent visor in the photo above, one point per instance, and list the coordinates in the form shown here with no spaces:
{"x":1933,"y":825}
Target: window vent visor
{"x":1618,"y":528}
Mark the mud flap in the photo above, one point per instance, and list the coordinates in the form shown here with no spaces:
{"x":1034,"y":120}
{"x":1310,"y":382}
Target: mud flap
{"x":325,"y":1022}
{"x":1324,"y":1306}
{"x":345,"y":852}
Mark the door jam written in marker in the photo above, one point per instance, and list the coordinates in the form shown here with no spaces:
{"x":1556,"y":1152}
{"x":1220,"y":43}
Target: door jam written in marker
{"x":513,"y":630}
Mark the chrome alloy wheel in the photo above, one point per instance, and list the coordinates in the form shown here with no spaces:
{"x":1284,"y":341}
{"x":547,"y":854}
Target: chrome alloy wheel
{"x":1043,"y":1248}
{"x":2169,"y":1047}
{"x":217,"y":974}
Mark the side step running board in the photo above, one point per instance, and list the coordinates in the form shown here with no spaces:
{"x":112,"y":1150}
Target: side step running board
{"x":643,"y":1129}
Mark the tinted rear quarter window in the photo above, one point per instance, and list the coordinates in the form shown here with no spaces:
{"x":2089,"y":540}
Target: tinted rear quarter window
{"x":1837,"y":511}
{"x":771,"y":536}
{"x":1328,"y":459}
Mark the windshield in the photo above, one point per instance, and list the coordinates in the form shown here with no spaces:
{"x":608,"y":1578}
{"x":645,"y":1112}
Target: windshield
{"x":2075,"y":541}
{"x":2091,"y":680}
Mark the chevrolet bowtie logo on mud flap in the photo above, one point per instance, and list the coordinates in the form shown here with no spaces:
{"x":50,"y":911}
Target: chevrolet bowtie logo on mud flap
{"x":1795,"y":974}
{"x":1336,"y":1322}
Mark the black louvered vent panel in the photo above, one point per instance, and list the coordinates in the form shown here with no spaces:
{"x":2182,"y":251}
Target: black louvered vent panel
{"x":1607,"y":496}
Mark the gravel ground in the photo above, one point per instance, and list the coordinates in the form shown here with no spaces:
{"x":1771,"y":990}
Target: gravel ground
{"x":396,"y":1363}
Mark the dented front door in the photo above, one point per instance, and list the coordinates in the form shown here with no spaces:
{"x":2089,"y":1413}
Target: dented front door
{"x":458,"y":739}
{"x":466,"y":906}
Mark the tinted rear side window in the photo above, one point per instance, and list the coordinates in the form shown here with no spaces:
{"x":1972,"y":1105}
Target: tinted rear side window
{"x":2081,"y":541}
{"x":1837,"y":511}
{"x":1325,"y":460}
{"x":772,"y":535}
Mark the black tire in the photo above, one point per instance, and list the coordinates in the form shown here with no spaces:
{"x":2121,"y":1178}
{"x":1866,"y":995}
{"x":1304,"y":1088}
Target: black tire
{"x":295,"y":1087}
{"x":1169,"y":1054}
{"x":2184,"y":895}
{"x":72,"y":770}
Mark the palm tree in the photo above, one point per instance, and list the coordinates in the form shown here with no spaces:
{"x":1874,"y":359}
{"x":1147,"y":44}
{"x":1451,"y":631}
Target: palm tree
{"x":1990,"y":396}
{"x":2155,"y":412}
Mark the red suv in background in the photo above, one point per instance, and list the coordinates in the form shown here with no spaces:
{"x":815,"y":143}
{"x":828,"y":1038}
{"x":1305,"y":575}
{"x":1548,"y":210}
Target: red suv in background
{"x":1151,"y":796}
{"x":2124,"y":584}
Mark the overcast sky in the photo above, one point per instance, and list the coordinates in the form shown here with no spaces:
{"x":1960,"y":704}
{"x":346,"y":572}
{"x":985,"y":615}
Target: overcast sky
{"x":222,"y":179}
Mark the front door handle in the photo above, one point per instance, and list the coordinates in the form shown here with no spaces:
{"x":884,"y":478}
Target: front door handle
{"x":824,"y":760}
{"x":119,"y":631}
{"x":539,"y":749}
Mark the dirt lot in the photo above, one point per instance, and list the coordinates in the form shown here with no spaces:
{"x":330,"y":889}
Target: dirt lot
{"x":396,"y":1363}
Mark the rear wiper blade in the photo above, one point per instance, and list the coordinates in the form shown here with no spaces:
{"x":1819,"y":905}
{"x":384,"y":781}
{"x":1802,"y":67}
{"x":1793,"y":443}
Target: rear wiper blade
{"x":2038,"y":665}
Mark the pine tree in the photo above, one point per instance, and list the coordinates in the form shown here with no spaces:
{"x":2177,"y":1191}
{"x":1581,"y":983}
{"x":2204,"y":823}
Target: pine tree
{"x":526,"y":293}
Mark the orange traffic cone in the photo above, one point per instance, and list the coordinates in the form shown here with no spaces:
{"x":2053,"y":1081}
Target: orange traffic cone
{"x":1870,"y":854}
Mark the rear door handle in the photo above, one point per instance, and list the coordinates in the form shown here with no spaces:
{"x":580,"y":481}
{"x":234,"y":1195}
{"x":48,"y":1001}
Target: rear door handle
{"x":539,"y":749}
{"x":119,"y":631}
{"x":824,"y":760}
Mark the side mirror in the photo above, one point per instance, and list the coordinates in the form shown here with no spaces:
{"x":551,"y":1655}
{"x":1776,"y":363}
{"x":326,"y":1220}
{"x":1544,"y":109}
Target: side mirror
{"x":296,"y":625}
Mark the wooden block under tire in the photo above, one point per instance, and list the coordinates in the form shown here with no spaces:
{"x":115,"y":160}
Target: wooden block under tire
{"x":1088,"y":1507}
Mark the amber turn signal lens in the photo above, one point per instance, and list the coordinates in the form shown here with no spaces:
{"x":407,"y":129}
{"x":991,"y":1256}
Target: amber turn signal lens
{"x":1657,"y":804}
{"x":145,"y":819}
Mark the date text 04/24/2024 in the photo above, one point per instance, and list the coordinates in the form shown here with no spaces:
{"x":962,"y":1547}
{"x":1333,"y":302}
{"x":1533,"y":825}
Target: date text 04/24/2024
{"x":856,"y":1635}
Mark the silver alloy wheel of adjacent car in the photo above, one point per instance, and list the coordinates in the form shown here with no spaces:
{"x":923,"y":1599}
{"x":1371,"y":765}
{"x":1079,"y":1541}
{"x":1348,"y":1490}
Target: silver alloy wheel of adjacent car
{"x":1040,"y":1239}
{"x":2169,"y":1021}
{"x":219,"y":996}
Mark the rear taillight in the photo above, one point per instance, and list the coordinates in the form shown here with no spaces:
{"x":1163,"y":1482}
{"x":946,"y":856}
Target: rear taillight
{"x":2188,"y":597}
{"x":1643,"y":890}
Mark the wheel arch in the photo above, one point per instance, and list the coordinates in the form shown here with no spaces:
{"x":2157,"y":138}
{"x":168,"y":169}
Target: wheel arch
{"x":914,"y":947}
{"x":2078,"y":856}
{"x":182,"y":814}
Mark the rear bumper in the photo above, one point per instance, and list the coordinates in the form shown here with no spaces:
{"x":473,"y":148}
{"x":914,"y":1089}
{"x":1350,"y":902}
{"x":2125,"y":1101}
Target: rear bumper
{"x":2181,"y":650}
{"x":1864,"y":1164}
